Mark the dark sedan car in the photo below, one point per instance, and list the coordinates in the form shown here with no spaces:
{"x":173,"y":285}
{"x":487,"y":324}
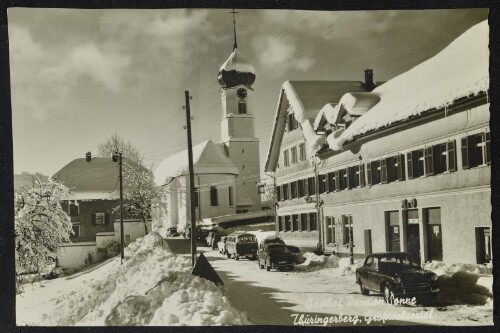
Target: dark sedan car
{"x":276,"y":256}
{"x":398,"y":276}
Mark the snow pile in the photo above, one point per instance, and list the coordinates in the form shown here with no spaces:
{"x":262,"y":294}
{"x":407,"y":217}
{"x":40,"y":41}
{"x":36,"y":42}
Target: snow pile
{"x":346,"y":268}
{"x":434,"y":83}
{"x":463,"y":283}
{"x":314,"y":262}
{"x":152,"y":287}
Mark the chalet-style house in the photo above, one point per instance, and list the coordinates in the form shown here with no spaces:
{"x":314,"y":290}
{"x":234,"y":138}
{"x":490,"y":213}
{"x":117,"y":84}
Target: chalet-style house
{"x":94,"y":187}
{"x":402,"y":167}
{"x":226,"y":173}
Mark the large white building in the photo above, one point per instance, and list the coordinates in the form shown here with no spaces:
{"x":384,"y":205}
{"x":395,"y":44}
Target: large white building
{"x":225,"y":173}
{"x":402,"y":167}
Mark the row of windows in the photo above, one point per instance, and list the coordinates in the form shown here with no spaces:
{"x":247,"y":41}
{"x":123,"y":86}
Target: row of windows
{"x":428,"y":161}
{"x":214,"y":196}
{"x":340,"y":232}
{"x":298,"y":222}
{"x":294,"y":154}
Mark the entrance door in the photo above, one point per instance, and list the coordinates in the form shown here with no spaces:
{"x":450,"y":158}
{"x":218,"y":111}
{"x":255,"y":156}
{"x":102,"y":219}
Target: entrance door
{"x":413,"y":233}
{"x":392,"y":220}
{"x":368,"y":241}
{"x":483,"y":245}
{"x":434,"y":234}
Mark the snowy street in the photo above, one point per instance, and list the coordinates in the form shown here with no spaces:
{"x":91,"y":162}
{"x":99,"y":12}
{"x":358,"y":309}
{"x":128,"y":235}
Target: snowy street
{"x":279,"y":298}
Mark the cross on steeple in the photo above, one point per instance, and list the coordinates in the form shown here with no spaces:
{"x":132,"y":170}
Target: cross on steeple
{"x":235,"y":44}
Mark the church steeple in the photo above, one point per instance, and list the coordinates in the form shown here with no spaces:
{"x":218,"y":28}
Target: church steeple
{"x":236,"y":70}
{"x":235,"y":44}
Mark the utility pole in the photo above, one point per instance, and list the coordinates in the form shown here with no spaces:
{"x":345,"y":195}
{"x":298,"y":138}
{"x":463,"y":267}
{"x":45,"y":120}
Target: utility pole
{"x":191,"y":180}
{"x":319,"y":220}
{"x":121,"y":210}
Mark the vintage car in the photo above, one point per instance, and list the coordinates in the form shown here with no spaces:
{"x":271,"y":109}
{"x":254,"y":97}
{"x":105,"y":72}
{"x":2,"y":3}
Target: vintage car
{"x":215,"y":239}
{"x":241,"y":245}
{"x":273,"y":240}
{"x":187,"y":231}
{"x":172,"y":232}
{"x":221,"y":245}
{"x":397,"y":275}
{"x":276,"y":256}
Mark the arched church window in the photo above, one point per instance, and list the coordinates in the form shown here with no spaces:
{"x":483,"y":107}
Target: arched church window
{"x":242,"y":106}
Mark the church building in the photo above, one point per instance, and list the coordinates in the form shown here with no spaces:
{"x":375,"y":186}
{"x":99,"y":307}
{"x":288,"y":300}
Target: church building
{"x":225,"y":173}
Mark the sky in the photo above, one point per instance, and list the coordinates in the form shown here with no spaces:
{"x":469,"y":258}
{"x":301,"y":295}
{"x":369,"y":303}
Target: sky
{"x":78,"y":76}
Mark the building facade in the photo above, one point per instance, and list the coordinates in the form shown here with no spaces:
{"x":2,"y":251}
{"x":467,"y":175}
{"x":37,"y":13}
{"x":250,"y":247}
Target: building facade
{"x":405,"y":167}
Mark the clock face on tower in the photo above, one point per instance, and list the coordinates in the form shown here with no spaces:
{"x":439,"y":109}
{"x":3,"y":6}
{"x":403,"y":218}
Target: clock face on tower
{"x":242,"y":93}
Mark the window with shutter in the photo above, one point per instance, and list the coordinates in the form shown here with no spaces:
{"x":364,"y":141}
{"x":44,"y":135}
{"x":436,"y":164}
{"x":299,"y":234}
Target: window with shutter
{"x":362,"y":175}
{"x":383,"y":171}
{"x":293,"y":189}
{"x":452,"y":156}
{"x":410,"y":165}
{"x":311,"y":186}
{"x":401,"y":167}
{"x":100,"y":218}
{"x":278,"y":194}
{"x":321,"y":183}
{"x":369,"y":173}
{"x":331,"y":181}
{"x":439,"y":158}
{"x":487,"y":146}
{"x":465,"y":152}
{"x":429,"y":161}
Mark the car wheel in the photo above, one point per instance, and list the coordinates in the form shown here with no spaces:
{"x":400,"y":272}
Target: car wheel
{"x":236,"y":256}
{"x":254,"y":257}
{"x":364,"y":291}
{"x":388,"y":294}
{"x":228,"y":255}
{"x":268,"y":267}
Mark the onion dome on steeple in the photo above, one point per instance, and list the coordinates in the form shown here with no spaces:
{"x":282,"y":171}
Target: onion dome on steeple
{"x":236,"y":71}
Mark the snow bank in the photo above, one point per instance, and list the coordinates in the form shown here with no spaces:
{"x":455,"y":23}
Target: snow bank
{"x":152,"y":287}
{"x":463,"y":283}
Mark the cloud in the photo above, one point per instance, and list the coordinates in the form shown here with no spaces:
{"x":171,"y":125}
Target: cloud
{"x":105,"y":68}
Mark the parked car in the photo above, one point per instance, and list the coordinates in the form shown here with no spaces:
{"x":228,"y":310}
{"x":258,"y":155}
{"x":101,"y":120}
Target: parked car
{"x":221,"y":245}
{"x":296,"y":253}
{"x":241,"y":245}
{"x":187,"y":232}
{"x":397,"y":275}
{"x":210,"y":236}
{"x":172,"y":232}
{"x":276,"y":256}
{"x":274,"y":240}
{"x":215,"y":239}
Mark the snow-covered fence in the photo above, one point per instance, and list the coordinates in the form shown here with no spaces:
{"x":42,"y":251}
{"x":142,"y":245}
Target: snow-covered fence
{"x":73,"y":256}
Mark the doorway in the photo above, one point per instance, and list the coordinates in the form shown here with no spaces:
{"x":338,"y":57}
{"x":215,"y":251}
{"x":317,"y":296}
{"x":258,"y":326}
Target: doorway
{"x":434,"y":234}
{"x":483,"y":245}
{"x":413,"y":233}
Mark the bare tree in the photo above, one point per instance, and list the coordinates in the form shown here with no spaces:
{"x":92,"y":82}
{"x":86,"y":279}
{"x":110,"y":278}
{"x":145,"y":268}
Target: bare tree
{"x":118,"y":144}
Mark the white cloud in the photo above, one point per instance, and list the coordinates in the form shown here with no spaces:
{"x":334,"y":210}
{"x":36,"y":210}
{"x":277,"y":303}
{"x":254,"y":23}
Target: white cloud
{"x":283,"y":53}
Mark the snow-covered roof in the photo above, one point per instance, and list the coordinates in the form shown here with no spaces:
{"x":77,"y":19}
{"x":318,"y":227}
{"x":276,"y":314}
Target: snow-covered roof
{"x":305,"y":98}
{"x":208,"y":158}
{"x":459,"y":70}
{"x":236,"y":62}
{"x":94,"y":179}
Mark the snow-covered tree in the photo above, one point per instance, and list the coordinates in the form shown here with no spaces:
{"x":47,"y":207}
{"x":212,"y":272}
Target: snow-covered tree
{"x":140,"y":192}
{"x":118,"y":144}
{"x":41,"y":225}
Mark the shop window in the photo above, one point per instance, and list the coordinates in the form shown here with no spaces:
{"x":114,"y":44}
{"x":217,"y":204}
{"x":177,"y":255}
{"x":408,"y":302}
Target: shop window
{"x":476,"y":150}
{"x":393,"y":232}
{"x":214,"y":200}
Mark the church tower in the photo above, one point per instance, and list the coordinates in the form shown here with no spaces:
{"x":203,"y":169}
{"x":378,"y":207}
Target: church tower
{"x":236,"y":77}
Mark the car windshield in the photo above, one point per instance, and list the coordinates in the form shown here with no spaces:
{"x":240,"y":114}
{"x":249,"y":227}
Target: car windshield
{"x":397,"y":262}
{"x":247,"y":239}
{"x":278,"y":248}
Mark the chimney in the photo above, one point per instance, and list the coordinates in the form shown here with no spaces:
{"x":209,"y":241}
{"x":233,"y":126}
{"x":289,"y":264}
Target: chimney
{"x":88,"y":156}
{"x":368,"y":85}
